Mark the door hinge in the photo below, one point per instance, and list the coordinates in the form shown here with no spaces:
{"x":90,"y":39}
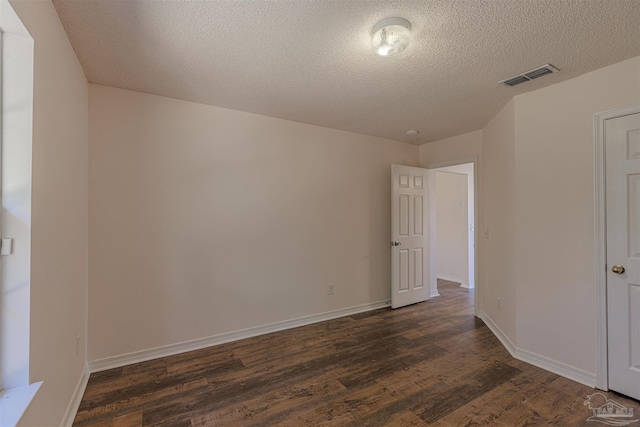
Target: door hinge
{"x":6,"y":246}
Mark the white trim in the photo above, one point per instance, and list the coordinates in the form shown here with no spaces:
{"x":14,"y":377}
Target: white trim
{"x":14,"y":402}
{"x":556,"y":367}
{"x":10,"y":22}
{"x":172,"y":349}
{"x":545,"y":363}
{"x":456,"y":280}
{"x":600,"y":256}
{"x":476,"y":213}
{"x":74,"y":403}
{"x":450,"y":278}
{"x":502,"y":337}
{"x":17,"y":131}
{"x":434,"y":294}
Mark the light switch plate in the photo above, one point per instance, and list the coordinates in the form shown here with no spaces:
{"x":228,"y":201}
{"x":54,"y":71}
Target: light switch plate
{"x":6,"y":247}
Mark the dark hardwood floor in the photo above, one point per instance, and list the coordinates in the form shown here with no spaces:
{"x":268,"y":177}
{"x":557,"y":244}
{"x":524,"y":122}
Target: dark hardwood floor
{"x":432,"y":363}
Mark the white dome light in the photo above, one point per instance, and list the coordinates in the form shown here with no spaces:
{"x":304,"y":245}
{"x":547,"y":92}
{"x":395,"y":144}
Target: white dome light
{"x":391,"y":36}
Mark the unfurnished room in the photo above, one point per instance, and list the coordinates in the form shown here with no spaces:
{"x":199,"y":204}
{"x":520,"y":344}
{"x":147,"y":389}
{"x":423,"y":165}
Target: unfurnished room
{"x":320,"y":213}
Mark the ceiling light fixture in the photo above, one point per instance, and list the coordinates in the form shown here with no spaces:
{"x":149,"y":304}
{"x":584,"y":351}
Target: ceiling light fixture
{"x":391,"y":36}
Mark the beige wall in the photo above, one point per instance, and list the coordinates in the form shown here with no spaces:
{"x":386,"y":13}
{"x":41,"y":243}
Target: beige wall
{"x":555,"y":211}
{"x":59,"y":215}
{"x":499,"y":233}
{"x":494,"y":149}
{"x":452,"y":251}
{"x":445,"y":151}
{"x":205,"y":220}
{"x":537,"y":200}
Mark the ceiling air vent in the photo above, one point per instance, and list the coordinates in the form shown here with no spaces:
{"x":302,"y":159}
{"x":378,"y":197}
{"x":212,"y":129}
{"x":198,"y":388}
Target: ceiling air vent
{"x":530,"y":75}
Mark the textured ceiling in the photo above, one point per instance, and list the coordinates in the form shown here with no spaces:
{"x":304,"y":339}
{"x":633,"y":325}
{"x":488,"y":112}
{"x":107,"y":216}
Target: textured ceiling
{"x":310,"y":60}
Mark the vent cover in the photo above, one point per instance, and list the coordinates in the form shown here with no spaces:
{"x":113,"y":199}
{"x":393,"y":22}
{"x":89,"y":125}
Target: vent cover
{"x":540,"y":71}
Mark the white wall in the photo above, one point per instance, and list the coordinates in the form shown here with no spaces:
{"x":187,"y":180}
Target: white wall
{"x":205,"y":220}
{"x":59,"y":230}
{"x":451,"y":227}
{"x":498,"y":232}
{"x":554,"y":212}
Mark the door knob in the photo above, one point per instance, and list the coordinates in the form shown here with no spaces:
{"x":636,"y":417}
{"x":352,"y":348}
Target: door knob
{"x":395,"y":243}
{"x":618,"y":269}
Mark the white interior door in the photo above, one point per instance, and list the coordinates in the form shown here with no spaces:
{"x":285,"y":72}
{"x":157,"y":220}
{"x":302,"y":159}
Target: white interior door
{"x":622,"y":145}
{"x":409,"y":236}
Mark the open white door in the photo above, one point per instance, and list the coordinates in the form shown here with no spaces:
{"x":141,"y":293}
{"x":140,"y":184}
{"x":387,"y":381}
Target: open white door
{"x":622,"y":145}
{"x":409,"y":236}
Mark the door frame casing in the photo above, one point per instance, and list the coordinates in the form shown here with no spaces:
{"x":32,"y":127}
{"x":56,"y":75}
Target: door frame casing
{"x":476,"y":261}
{"x":599,"y":121}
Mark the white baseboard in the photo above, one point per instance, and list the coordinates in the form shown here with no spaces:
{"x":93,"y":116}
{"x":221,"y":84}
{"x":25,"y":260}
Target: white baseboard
{"x":456,"y":280}
{"x":183,"y":347}
{"x":502,"y":337}
{"x":449,"y":278}
{"x":559,"y":368}
{"x":534,"y":359}
{"x":434,"y":294}
{"x":74,"y":404}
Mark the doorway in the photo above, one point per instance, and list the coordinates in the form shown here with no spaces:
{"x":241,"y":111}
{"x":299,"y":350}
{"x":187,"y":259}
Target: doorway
{"x":405,"y":210}
{"x":455,"y":210}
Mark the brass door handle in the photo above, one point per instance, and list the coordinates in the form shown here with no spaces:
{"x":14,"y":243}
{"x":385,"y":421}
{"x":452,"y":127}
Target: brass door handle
{"x":618,"y":269}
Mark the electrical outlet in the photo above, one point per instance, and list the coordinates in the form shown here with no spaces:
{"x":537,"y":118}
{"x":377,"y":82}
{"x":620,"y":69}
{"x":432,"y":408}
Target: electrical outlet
{"x":78,"y":345}
{"x":331,"y":289}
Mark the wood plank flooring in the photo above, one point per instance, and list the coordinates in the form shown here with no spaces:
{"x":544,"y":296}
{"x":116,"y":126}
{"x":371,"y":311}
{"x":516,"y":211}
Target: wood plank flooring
{"x":428,"y":364}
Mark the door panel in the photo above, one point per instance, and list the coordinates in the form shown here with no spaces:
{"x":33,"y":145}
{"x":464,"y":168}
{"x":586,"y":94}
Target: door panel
{"x":418,"y":216}
{"x":404,"y":216}
{"x":418,"y":268}
{"x":622,"y":145}
{"x":410,"y":244}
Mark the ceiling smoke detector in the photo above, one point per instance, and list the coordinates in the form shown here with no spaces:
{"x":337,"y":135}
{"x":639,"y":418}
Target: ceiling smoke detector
{"x":540,"y":71}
